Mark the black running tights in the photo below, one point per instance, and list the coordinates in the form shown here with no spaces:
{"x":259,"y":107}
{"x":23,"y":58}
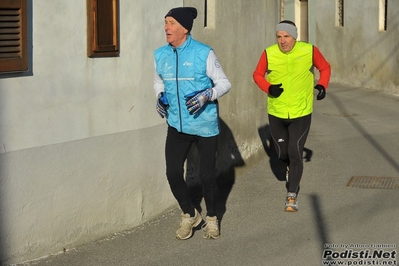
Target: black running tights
{"x":289,"y":137}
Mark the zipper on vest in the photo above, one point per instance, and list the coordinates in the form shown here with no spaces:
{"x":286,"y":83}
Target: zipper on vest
{"x":177,"y":87}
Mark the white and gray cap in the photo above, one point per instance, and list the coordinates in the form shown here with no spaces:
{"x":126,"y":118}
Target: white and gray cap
{"x":289,"y":27}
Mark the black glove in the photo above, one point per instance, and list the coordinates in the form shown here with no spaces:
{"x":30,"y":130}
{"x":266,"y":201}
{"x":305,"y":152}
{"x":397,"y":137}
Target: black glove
{"x":275,"y":90}
{"x":322,"y":92}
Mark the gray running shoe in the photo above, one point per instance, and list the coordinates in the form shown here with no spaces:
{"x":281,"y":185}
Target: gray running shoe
{"x":211,"y":228}
{"x":187,"y":224}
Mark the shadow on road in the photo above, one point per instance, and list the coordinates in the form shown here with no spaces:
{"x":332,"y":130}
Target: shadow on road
{"x":277,"y":166}
{"x":228,"y":159}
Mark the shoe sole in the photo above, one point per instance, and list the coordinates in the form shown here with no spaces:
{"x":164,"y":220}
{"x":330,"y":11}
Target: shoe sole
{"x":290,"y":209}
{"x":211,"y":237}
{"x":191,"y":232}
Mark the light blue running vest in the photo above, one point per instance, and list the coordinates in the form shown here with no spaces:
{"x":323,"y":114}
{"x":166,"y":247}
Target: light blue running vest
{"x":183,"y":71}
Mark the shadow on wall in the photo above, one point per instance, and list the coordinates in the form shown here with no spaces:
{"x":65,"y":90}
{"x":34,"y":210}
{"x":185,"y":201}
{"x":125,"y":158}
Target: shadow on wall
{"x":228,"y":159}
{"x":276,"y":165}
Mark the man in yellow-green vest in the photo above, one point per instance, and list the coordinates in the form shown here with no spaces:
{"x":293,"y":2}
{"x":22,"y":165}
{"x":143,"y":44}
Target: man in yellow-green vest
{"x":285,"y":73}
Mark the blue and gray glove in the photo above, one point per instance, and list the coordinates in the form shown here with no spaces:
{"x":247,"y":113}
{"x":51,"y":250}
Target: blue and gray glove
{"x":322,"y":92}
{"x":195,"y":103}
{"x":162,"y":105}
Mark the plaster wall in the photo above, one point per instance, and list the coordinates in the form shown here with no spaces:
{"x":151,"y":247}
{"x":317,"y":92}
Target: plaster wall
{"x":81,"y":145}
{"x":360,"y":53}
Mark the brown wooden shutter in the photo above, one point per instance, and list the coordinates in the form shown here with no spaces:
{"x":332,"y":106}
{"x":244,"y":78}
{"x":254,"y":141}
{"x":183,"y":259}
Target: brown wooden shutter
{"x":102,"y":26}
{"x":13,"y":36}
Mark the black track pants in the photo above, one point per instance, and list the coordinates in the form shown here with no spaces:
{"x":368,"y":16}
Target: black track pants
{"x":177,"y":148}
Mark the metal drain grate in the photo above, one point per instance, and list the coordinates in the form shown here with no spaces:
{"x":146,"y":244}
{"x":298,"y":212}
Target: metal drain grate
{"x":374,"y":182}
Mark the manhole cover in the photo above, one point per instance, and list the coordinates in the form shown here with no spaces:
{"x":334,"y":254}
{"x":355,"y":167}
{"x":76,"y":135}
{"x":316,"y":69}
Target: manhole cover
{"x":374,"y":182}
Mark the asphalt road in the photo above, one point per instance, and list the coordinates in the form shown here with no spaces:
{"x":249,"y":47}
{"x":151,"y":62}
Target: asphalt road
{"x":354,"y":133}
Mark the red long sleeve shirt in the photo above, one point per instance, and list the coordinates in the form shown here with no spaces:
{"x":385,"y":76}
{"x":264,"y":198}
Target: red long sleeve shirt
{"x":318,"y":61}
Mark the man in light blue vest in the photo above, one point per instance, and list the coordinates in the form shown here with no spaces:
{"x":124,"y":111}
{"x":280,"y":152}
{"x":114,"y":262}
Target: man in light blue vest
{"x":188,"y":80}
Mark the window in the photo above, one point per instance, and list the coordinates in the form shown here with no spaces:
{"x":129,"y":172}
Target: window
{"x":339,"y":7}
{"x":383,"y":14}
{"x":209,"y":14}
{"x":103,"y":28}
{"x":206,"y":14}
{"x":13,"y":36}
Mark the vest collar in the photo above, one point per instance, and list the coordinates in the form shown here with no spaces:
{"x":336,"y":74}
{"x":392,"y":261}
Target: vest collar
{"x":184,"y":45}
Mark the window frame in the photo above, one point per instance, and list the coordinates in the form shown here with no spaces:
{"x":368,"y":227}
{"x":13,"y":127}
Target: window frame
{"x":97,"y":31}
{"x":17,"y":61}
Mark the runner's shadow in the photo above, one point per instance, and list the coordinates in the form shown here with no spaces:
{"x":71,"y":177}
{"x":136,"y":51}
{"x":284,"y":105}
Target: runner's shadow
{"x":228,"y":159}
{"x":276,"y":165}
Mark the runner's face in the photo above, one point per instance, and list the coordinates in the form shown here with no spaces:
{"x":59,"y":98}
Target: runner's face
{"x":285,"y":41}
{"x":176,"y":34}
